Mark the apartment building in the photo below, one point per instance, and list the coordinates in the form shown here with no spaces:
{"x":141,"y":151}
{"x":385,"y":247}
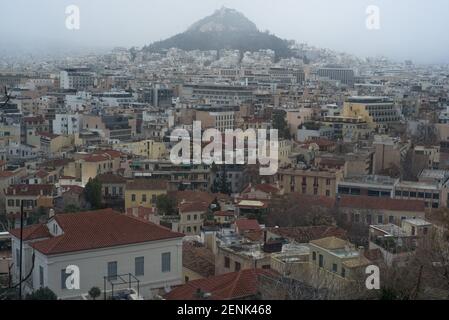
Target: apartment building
{"x":310,"y":181}
{"x":144,"y":192}
{"x":378,"y":112}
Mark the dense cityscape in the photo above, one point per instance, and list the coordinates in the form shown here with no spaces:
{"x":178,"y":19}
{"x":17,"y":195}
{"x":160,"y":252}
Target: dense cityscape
{"x":93,"y":205}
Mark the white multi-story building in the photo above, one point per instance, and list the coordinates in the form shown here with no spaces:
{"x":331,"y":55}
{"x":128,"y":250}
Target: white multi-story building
{"x":107,"y":248}
{"x":67,"y":124}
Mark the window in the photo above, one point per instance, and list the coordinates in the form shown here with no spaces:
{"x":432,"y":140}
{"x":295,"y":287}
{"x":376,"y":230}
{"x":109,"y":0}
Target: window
{"x":166,"y":262}
{"x":227,"y":262}
{"x":133,"y":197}
{"x":380,"y":219}
{"x":237,"y":266}
{"x":314,"y":256}
{"x":321,"y":261}
{"x":64,"y":276}
{"x":188,"y":217}
{"x":334,"y":268}
{"x":144,"y":198}
{"x":343,"y":272}
{"x":391,"y":219}
{"x":328,"y":193}
{"x":139,"y":266}
{"x":41,"y":276}
{"x":195,"y":217}
{"x":112,"y":270}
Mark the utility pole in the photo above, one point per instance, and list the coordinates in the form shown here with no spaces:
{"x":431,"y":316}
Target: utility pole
{"x":21,"y":250}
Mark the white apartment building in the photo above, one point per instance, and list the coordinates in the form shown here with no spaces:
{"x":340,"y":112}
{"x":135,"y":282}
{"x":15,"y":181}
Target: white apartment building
{"x":106,"y":246}
{"x":67,"y":124}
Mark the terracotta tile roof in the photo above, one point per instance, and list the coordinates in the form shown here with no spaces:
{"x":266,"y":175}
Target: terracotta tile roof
{"x":365,"y":202}
{"x":96,"y":158}
{"x":198,"y":259}
{"x":6,"y":174}
{"x":224,"y":213}
{"x":147,"y":184}
{"x":265,"y":187}
{"x":110,"y":178}
{"x":30,"y":189}
{"x":34,"y":232}
{"x":73,"y":189}
{"x":41,"y":174}
{"x":307,"y":234}
{"x":190,"y":195}
{"x":193,"y":206}
{"x":229,"y":286}
{"x":100,"y":229}
{"x":244,"y":225}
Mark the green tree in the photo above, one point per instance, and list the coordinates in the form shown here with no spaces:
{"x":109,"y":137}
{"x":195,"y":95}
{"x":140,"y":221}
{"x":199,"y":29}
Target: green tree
{"x":280,"y":123}
{"x":42,"y":294}
{"x":92,"y":192}
{"x":166,"y":205}
{"x":94,"y":292}
{"x":36,"y":216}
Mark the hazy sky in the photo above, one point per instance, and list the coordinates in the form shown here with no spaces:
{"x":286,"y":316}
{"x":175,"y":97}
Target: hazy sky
{"x":409,"y":29}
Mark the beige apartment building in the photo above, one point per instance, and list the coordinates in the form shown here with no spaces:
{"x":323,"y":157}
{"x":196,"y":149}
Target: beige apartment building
{"x":310,"y":181}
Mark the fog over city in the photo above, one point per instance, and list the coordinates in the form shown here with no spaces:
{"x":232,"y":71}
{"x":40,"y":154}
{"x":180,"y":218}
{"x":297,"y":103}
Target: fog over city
{"x":409,"y":29}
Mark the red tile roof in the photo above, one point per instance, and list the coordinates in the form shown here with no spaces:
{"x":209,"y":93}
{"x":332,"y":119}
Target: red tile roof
{"x":34,"y":232}
{"x":96,"y":158}
{"x":307,"y":234}
{"x":265,"y":187}
{"x":6,"y":174}
{"x":229,"y":286}
{"x":224,"y":213}
{"x":110,"y":178}
{"x":73,"y":189}
{"x":193,"y":207}
{"x":192,"y":196}
{"x":244,"y":225}
{"x":100,"y":229}
{"x":198,"y":258}
{"x":30,"y":189}
{"x":373,"y":203}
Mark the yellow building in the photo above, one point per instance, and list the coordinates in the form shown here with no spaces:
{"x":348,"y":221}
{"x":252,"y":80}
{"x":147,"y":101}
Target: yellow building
{"x":88,"y":166}
{"x":8,"y":134}
{"x":145,"y":148}
{"x":376,"y":111}
{"x":144,"y":192}
{"x":310,"y":182}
